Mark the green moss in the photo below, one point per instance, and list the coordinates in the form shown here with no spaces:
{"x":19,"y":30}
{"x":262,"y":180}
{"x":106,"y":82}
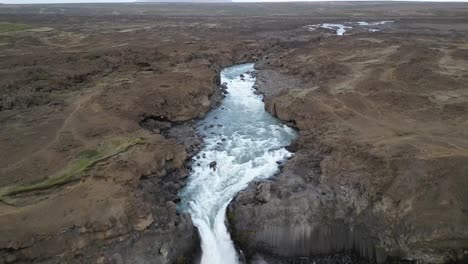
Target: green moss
{"x":88,"y":154}
{"x":230,"y":216}
{"x":242,"y":238}
{"x":78,"y":168}
{"x":41,"y":75}
{"x":5,"y":39}
{"x":9,"y":27}
{"x":181,"y":260}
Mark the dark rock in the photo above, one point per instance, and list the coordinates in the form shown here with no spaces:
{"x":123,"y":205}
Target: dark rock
{"x":213,"y":165}
{"x":263,"y":193}
{"x":337,"y":194}
{"x":224,"y":88}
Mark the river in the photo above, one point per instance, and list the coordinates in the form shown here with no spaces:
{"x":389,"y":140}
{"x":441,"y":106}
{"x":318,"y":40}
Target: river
{"x":245,"y":142}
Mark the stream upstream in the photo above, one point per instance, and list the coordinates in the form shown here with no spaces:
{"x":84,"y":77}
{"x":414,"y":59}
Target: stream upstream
{"x":243,"y":143}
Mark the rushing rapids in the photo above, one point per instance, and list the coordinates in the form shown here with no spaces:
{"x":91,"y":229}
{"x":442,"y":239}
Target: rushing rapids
{"x":242,"y":143}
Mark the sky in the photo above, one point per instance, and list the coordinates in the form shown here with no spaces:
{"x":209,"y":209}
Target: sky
{"x":60,"y":1}
{"x":120,"y":1}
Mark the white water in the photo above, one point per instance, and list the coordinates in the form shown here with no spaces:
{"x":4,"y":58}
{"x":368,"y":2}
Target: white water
{"x":246,"y":142}
{"x":364,"y":23}
{"x":340,"y":29}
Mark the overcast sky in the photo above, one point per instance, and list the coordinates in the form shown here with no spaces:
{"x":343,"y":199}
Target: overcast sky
{"x":115,"y":1}
{"x":59,"y":1}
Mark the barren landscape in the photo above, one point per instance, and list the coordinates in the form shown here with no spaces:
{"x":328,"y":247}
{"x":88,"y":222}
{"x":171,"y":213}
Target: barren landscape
{"x":98,"y":104}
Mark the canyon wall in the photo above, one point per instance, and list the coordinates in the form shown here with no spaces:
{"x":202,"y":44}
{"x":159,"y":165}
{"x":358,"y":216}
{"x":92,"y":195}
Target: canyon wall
{"x":381,"y":164}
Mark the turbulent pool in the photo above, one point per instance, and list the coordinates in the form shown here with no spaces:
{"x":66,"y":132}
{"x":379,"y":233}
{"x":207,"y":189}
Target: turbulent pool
{"x":242,"y":143}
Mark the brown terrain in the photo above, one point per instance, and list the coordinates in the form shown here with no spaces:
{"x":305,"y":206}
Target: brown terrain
{"x":98,"y":102}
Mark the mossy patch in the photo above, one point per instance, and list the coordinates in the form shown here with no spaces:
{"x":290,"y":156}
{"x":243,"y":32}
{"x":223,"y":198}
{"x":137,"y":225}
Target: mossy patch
{"x":88,"y":154}
{"x":230,"y":216}
{"x":242,"y":238}
{"x":10,"y":27}
{"x":181,"y":260}
{"x":41,"y":75}
{"x":5,"y":39}
{"x":76,"y":169}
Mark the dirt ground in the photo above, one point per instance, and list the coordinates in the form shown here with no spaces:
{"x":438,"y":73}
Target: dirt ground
{"x":97,"y":103}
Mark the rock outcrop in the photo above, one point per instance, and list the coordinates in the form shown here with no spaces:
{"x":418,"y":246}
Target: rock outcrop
{"x":381,"y":164}
{"x":96,"y":142}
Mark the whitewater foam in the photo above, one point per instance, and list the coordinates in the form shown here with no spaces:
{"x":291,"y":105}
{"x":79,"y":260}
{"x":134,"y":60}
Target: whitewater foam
{"x":245,"y":142}
{"x":340,"y":29}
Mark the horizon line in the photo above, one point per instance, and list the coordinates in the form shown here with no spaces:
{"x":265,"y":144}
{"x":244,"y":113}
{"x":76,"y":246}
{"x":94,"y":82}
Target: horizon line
{"x":218,"y":1}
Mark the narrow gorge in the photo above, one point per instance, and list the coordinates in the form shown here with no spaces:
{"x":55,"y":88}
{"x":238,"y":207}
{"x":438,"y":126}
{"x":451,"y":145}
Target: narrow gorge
{"x":243,"y":143}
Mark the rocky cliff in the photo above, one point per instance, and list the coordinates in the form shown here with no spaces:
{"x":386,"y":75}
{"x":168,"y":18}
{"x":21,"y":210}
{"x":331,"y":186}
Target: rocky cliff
{"x":97,"y":133}
{"x":381,"y":164}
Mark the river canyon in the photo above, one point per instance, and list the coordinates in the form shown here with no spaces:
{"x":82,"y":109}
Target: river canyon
{"x":243,"y":143}
{"x":128,"y":136}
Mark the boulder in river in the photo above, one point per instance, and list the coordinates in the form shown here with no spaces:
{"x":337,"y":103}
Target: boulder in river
{"x":213,"y":165}
{"x":224,"y":88}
